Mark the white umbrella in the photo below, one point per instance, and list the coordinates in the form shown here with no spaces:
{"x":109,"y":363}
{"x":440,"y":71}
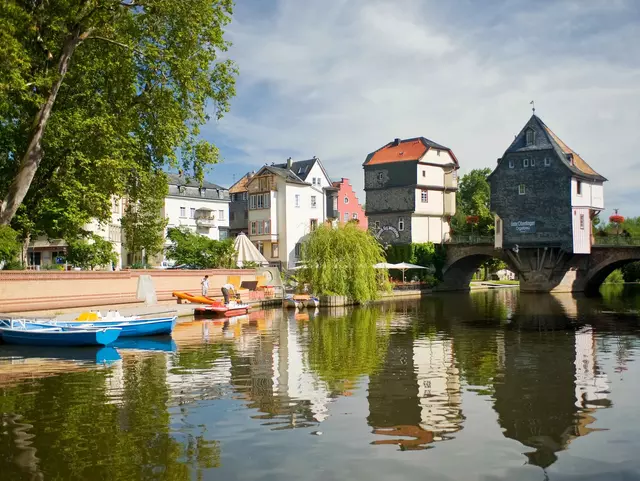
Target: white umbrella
{"x":384,"y":265}
{"x":247,"y":252}
{"x":403,"y":266}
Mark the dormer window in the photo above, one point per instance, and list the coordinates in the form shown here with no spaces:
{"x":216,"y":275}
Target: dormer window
{"x":203,"y":191}
{"x":525,"y":162}
{"x":511,"y":164}
{"x":531,"y":137}
{"x":547,"y":161}
{"x":181,"y":189}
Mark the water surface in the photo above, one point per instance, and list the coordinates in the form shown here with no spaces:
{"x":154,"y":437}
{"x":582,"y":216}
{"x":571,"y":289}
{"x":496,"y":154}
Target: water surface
{"x":485,"y":386}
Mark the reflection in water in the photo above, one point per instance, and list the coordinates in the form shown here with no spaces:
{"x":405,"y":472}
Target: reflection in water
{"x":177,"y":410}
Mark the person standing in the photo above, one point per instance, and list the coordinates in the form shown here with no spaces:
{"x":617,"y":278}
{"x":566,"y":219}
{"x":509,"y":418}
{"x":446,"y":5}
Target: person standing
{"x":205,"y":285}
{"x":225,"y":292}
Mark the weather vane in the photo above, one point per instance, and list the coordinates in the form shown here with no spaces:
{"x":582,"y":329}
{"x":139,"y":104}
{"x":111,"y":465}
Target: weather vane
{"x":532,"y":103}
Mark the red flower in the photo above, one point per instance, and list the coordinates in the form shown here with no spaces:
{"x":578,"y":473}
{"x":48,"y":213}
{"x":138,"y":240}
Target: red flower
{"x":616,"y":219}
{"x":473,"y":219}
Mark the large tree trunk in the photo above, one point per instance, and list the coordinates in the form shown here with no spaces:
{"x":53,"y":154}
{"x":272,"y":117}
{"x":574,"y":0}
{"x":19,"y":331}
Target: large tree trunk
{"x":33,"y":155}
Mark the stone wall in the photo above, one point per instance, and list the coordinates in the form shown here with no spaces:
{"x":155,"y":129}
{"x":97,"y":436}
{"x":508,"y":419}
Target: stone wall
{"x":389,"y":226}
{"x":394,"y":199}
{"x":547,"y":200}
{"x":42,"y":290}
{"x":395,"y":174}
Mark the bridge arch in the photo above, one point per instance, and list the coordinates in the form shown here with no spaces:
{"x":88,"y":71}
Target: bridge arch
{"x":463,"y":261}
{"x":604,"y":261}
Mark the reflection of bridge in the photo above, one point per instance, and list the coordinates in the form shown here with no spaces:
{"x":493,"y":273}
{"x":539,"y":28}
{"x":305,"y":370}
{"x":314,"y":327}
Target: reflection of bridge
{"x":540,"y":269}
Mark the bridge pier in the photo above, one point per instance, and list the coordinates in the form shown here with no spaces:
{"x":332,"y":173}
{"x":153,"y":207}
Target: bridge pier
{"x":539,"y":269}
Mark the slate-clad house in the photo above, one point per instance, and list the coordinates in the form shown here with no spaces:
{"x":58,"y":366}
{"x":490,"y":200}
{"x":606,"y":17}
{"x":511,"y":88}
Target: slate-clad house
{"x":543,"y":194}
{"x":410,"y":188}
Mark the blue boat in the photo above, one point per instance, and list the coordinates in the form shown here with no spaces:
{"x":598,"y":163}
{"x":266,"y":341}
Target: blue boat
{"x":30,"y":334}
{"x":144,"y":344}
{"x":130,"y":328}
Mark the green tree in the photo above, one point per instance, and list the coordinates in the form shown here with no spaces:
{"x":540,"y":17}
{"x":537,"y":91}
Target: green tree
{"x":9,"y":245}
{"x":631,"y":272}
{"x":90,"y":89}
{"x":90,"y":253}
{"x":473,"y":199}
{"x":339,"y":261}
{"x":142,"y":223}
{"x":199,"y":251}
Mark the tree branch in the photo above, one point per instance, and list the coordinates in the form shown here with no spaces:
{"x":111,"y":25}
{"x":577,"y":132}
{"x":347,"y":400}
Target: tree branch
{"x":115,"y":42}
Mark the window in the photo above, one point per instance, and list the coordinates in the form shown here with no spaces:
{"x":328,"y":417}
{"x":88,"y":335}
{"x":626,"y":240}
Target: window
{"x":275,"y":251}
{"x":192,"y":213}
{"x":260,"y":247}
{"x":376,"y":224}
{"x":220,"y":215}
{"x":224,"y":234}
{"x":522,"y":189}
{"x":253,"y":228}
{"x":246,"y":215}
{"x":424,"y":173}
{"x":424,"y":196}
{"x":259,"y":201}
{"x":313,"y":201}
{"x":346,"y":216}
{"x":498,"y":226}
{"x":438,"y":153}
{"x":183,"y":212}
{"x":346,"y":199}
{"x":297,"y":251}
{"x":297,"y":200}
{"x":245,"y":195}
{"x":260,"y":228}
{"x":252,"y":202}
{"x":115,"y":206}
{"x":355,"y":215}
{"x":319,"y":181}
{"x":232,"y":216}
{"x":525,"y":162}
{"x":335,"y":203}
{"x":314,"y":224}
{"x":263,"y":183}
{"x":511,"y":165}
{"x":380,"y":176}
{"x":547,"y":162}
{"x":533,"y":162}
{"x":267,"y":227}
{"x":582,"y":221}
{"x":401,"y":224}
{"x":579,"y":187}
{"x":531,"y":137}
{"x":203,"y":192}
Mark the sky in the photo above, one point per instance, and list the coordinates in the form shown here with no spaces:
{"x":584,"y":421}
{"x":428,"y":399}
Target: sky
{"x":340,"y":78}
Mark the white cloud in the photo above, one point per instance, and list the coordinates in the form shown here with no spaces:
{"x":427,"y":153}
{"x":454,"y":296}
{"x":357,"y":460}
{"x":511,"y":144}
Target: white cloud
{"x":338,"y":79}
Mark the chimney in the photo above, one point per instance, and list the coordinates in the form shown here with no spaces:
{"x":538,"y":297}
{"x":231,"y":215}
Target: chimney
{"x":289,"y":163}
{"x":396,"y":142}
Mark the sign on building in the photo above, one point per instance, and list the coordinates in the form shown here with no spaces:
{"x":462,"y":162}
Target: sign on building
{"x":524,"y":226}
{"x":388,"y":228}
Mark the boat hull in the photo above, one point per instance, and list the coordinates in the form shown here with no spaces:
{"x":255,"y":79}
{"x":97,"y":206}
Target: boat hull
{"x":49,"y":337}
{"x":135,"y":328}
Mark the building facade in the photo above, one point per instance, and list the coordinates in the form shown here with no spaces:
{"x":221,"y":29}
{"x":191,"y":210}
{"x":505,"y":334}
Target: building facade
{"x":410,"y":188}
{"x":347,"y":205}
{"x":543,"y":194}
{"x":286,"y":202}
{"x":239,"y":206}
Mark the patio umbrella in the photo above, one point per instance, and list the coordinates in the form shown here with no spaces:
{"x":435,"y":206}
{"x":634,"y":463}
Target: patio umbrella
{"x":384,"y":265}
{"x":247,"y":252}
{"x":403,"y":266}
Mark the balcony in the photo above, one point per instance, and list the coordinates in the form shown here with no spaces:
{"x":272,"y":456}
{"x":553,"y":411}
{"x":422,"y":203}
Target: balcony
{"x":205,"y":218}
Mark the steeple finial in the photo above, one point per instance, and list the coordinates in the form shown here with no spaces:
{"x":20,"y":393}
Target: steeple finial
{"x":533,"y":106}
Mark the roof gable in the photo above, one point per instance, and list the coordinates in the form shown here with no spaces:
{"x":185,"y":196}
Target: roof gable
{"x":545,"y":139}
{"x":408,"y":150}
{"x":176,"y":179}
{"x":241,"y":185}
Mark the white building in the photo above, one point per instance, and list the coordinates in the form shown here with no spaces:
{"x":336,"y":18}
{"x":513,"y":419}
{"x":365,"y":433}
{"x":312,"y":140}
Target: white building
{"x":286,"y":202}
{"x":204,"y":209}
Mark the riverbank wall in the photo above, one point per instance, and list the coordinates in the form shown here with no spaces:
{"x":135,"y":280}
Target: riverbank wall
{"x":27,"y":291}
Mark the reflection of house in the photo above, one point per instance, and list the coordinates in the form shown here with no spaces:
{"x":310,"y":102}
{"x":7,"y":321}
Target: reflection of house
{"x":592,"y":385}
{"x":410,"y":190}
{"x":416,"y":393}
{"x":286,"y":202}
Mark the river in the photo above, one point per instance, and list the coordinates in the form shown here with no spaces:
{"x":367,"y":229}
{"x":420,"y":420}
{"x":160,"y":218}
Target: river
{"x":491,"y":385}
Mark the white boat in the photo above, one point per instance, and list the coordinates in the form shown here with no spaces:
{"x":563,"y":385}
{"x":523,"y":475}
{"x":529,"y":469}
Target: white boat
{"x":291,"y":303}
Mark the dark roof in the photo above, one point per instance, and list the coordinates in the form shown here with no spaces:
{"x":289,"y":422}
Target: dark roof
{"x":175,"y":179}
{"x":407,"y":150}
{"x":545,"y":139}
{"x":301,"y":168}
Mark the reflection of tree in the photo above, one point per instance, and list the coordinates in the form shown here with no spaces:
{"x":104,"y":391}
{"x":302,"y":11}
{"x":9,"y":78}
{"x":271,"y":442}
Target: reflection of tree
{"x":345,"y":348}
{"x":79,"y":433}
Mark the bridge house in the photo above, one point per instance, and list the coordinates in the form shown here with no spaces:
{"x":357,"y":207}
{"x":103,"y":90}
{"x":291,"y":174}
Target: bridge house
{"x":410,"y":188}
{"x":543,"y":194}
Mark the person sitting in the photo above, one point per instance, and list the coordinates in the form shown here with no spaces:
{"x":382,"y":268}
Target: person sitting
{"x":225,"y":292}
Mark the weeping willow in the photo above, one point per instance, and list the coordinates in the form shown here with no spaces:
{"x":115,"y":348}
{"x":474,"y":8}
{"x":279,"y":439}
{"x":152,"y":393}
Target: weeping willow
{"x":339,"y":262}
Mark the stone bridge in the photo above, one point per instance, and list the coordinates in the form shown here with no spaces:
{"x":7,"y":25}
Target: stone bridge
{"x":544,"y":269}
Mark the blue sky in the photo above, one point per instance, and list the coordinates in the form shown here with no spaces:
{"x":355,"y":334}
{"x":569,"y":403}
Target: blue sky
{"x":340,"y":78}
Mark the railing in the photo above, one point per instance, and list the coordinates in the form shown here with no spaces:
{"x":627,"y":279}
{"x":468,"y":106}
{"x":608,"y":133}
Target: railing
{"x":471,"y":239}
{"x":616,"y":240}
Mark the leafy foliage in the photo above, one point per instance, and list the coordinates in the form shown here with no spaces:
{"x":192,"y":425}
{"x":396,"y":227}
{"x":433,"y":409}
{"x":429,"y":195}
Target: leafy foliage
{"x":9,"y":245}
{"x":142,"y":223}
{"x":423,"y":254}
{"x":91,"y":253}
{"x":615,"y":277}
{"x":91,"y":90}
{"x":473,"y":199}
{"x":631,"y":272}
{"x":199,"y":251}
{"x":339,"y":261}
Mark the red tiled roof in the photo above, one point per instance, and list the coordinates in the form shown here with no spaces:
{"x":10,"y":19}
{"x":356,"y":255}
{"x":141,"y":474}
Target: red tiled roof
{"x":578,"y":161}
{"x":406,"y":150}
